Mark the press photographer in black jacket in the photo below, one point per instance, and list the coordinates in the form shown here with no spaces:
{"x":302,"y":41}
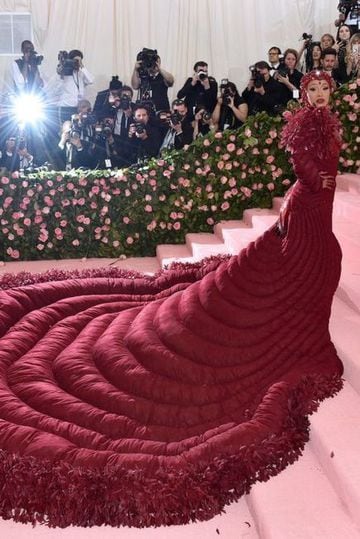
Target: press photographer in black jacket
{"x":144,"y":135}
{"x":200,"y":90}
{"x":180,"y":131}
{"x":231,"y":110}
{"x":263,"y":92}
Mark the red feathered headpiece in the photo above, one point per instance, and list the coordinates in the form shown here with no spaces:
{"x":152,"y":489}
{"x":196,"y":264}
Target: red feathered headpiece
{"x":312,"y":127}
{"x":309,"y":77}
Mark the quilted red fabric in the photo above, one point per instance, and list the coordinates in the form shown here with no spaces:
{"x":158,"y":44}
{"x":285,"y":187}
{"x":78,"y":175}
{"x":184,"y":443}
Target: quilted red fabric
{"x":157,"y":401}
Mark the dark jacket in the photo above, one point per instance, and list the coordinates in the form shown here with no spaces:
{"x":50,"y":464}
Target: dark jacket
{"x":197,"y":96}
{"x":275,"y":97}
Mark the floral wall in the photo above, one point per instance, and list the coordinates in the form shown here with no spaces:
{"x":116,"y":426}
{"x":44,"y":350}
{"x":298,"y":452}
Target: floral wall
{"x":127,"y":213}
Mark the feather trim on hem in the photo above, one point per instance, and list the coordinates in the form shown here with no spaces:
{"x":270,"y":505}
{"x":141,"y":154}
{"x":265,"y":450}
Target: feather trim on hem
{"x":59,"y":495}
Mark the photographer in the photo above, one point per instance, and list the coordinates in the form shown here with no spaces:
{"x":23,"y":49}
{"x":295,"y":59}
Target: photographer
{"x":144,"y":135}
{"x":203,"y":123}
{"x":72,"y":152}
{"x":200,"y":90}
{"x":288,"y":75}
{"x":180,"y":130}
{"x":73,"y":79}
{"x":151,"y":79}
{"x":263,"y":93}
{"x":25,"y":71}
{"x":349,"y":13}
{"x":231,"y":110}
{"x":105,"y":99}
{"x":15,"y":155}
{"x":113,"y":147}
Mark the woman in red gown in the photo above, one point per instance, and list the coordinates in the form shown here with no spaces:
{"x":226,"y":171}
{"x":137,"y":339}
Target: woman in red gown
{"x":151,"y":401}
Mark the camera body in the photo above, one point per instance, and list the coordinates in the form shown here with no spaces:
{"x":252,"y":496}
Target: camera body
{"x":35,"y":58}
{"x":202,"y":75}
{"x":283,"y":70}
{"x":125,"y":102}
{"x":206,"y":116}
{"x":345,"y":5}
{"x":140,"y":128}
{"x":66,"y":65}
{"x":104,"y":130}
{"x":148,"y":59}
{"x":257,"y":77}
{"x":175,"y":118}
{"x":225,"y":91}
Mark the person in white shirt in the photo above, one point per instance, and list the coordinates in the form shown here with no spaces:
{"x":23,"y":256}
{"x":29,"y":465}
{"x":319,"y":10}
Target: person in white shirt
{"x":274,"y":54}
{"x":74,"y":77}
{"x":25,"y":71}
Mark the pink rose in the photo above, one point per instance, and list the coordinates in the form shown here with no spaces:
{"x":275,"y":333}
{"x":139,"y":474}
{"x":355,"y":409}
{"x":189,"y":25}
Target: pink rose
{"x":116,"y":243}
{"x":177,"y":225}
{"x":220,"y":165}
{"x":129,"y":240}
{"x":210,"y":221}
{"x":231,"y":147}
{"x":75,"y":243}
{"x":14,"y":253}
{"x":270,"y":159}
{"x":148,"y":208}
{"x":270,"y":186}
{"x":206,"y":142}
{"x":225,"y":206}
{"x":27,"y":221}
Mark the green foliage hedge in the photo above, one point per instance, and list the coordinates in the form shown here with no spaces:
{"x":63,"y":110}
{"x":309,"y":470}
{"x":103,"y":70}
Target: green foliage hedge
{"x":127,"y":213}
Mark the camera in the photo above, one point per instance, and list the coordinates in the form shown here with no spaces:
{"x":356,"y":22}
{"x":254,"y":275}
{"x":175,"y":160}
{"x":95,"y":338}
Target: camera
{"x":104,"y":130}
{"x":66,"y":65}
{"x":175,"y":118}
{"x":345,"y":5}
{"x":125,"y":102}
{"x":35,"y":58}
{"x":202,"y":75}
{"x":206,"y":115}
{"x":225,"y":91}
{"x":148,"y":59}
{"x":283,"y":70}
{"x":257,"y":77}
{"x":140,"y":128}
{"x":306,"y":37}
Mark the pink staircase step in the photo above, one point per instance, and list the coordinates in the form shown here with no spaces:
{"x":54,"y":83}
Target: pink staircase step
{"x":166,"y":254}
{"x":345,"y":330}
{"x":347,"y":205}
{"x":203,"y":245}
{"x":261,"y":215}
{"x":300,"y":503}
{"x":335,"y":438}
{"x":349,"y":182}
{"x":236,"y":237}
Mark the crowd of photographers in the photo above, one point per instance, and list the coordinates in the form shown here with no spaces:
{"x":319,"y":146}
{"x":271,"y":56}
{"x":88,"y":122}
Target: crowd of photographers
{"x":120,"y":130}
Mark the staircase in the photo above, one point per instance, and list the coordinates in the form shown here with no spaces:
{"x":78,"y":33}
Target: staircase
{"x":318,"y":496}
